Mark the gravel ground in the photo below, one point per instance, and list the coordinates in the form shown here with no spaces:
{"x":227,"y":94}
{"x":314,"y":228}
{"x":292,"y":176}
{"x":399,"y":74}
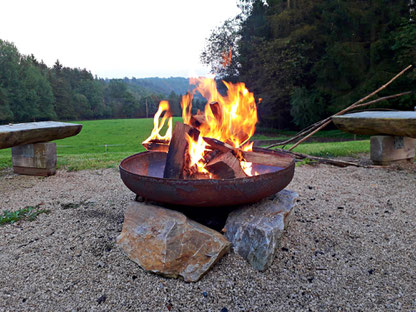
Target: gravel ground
{"x":351,"y":246}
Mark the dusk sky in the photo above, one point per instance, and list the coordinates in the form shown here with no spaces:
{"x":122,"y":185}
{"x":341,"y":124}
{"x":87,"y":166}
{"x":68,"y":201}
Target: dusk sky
{"x":115,"y":39}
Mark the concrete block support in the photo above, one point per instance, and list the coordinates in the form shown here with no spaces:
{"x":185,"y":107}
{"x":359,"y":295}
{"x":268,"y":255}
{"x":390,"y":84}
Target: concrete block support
{"x":385,"y":149}
{"x":34,"y":159}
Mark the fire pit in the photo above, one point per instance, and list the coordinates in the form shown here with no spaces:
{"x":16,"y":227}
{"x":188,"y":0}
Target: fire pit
{"x":143,"y":174}
{"x":208,"y":160}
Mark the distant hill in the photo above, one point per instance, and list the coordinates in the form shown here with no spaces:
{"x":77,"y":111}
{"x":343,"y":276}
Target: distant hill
{"x":165,"y":86}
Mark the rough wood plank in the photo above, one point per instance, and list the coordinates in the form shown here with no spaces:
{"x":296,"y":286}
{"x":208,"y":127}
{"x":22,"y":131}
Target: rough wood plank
{"x":176,"y":158}
{"x":36,"y":132}
{"x":397,"y":123}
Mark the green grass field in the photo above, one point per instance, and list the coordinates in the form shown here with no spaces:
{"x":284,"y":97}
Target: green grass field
{"x":104,"y":143}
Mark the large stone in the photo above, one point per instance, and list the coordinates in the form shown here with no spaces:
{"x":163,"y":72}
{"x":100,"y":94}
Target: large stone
{"x":166,"y":242}
{"x":385,"y":149}
{"x":36,"y":132}
{"x":255,"y":230}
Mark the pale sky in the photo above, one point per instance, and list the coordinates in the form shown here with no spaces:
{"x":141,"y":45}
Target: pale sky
{"x":115,"y":39}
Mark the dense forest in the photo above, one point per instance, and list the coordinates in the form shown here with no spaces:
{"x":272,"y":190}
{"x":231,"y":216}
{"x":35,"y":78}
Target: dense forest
{"x":305,"y":59}
{"x":31,"y":91}
{"x":309,"y":59}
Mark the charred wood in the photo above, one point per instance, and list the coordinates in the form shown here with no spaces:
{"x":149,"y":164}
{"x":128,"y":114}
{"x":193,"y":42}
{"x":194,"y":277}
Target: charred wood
{"x":215,"y":144}
{"x":225,"y":166}
{"x":216,"y":111}
{"x":176,"y":158}
{"x":197,"y":120}
{"x":157,"y":146}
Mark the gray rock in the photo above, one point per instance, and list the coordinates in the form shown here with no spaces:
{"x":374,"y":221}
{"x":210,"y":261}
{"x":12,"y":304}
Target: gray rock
{"x":255,"y":230}
{"x":166,"y":242}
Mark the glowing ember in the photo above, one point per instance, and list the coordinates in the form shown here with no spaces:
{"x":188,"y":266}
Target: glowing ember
{"x":230,"y":119}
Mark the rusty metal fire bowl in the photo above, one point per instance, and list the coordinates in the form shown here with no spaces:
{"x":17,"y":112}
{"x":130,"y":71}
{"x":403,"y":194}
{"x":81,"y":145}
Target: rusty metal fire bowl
{"x":142,"y":173}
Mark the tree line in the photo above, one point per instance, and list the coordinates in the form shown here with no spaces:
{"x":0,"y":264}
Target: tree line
{"x":32,"y":91}
{"x":310,"y":59}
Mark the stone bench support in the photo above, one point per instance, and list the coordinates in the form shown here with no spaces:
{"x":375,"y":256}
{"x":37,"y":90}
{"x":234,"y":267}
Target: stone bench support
{"x":34,"y":159}
{"x":385,"y":149}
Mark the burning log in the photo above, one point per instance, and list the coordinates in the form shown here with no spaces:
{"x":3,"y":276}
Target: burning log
{"x":157,"y":146}
{"x":200,"y":176}
{"x":197,"y":120}
{"x":216,"y":111}
{"x":215,"y":144}
{"x":192,"y":153}
{"x":210,"y":155}
{"x":176,"y":158}
{"x":265,"y":159}
{"x":226,"y":166}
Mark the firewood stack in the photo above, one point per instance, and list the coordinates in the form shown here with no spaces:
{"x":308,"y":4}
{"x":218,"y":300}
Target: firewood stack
{"x":222,"y":160}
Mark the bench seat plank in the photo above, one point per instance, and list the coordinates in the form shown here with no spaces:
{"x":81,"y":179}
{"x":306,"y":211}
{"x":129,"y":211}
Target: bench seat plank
{"x":36,"y":132}
{"x":396,"y":123}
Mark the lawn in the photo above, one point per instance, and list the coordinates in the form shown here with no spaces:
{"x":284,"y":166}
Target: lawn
{"x":104,"y":143}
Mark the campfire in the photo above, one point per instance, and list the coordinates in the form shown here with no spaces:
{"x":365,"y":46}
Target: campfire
{"x":208,"y":160}
{"x":213,"y":144}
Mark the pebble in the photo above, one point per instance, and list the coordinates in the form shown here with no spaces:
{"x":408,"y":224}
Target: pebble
{"x":102,"y":299}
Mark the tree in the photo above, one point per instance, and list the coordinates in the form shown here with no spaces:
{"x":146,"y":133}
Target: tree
{"x":308,"y":59}
{"x":63,"y":97}
{"x":82,"y":107}
{"x":6,"y":115}
{"x":36,"y":97}
{"x":122,"y":102}
{"x":9,"y":79}
{"x":175,"y":104}
{"x":221,"y":45}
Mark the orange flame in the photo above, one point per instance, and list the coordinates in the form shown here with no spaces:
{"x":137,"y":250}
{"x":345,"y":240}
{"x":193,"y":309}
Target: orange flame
{"x":236,"y":118}
{"x":230,"y":119}
{"x":155,"y":135}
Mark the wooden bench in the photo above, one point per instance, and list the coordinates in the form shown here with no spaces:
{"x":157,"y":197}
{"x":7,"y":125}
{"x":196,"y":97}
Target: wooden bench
{"x":32,"y":151}
{"x":393,"y":133}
